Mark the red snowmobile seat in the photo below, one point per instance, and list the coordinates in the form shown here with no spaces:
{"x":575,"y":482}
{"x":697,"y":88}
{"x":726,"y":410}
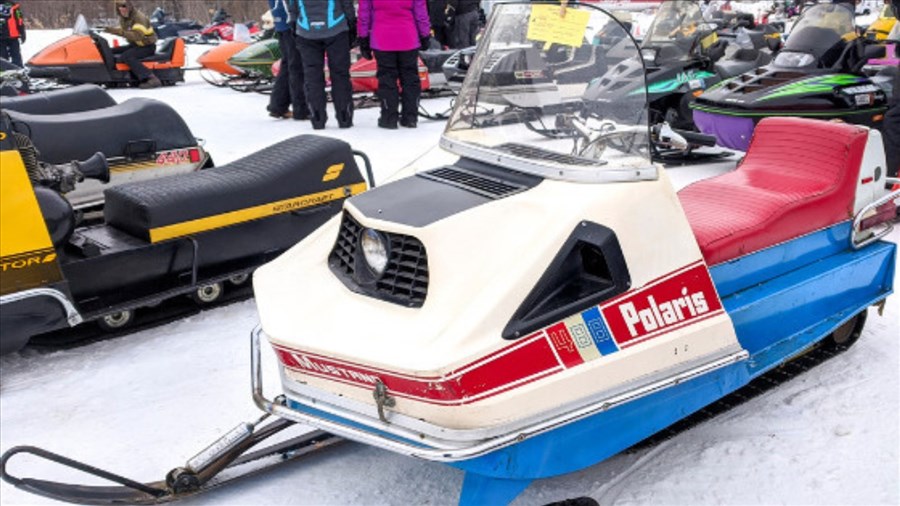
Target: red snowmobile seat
{"x":303,"y":166}
{"x":799,"y":176}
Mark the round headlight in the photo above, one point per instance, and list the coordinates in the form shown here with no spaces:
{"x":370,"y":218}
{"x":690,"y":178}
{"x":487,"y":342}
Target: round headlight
{"x":374,"y":248}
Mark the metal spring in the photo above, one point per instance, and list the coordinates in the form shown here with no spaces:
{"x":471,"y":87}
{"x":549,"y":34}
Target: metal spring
{"x":29,"y":155}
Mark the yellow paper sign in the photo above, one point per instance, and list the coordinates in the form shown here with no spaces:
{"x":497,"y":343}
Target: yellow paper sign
{"x":546,"y":25}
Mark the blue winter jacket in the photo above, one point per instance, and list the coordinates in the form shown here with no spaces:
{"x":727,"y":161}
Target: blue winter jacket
{"x":280,"y":14}
{"x":321,"y":19}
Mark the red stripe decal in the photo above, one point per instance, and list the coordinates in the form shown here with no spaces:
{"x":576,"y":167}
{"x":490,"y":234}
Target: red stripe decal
{"x":564,"y":345}
{"x":662,"y":307}
{"x":678,"y":299}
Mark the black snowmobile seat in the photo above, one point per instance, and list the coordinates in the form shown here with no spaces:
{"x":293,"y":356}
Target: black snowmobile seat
{"x":252,"y":187}
{"x":163,"y":51}
{"x":114,"y":131}
{"x":85,"y":97}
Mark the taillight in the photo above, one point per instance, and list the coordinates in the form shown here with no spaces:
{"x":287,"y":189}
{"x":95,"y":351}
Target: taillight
{"x":194,"y":154}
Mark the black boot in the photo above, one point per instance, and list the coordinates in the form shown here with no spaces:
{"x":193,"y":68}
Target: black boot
{"x":318,"y":119}
{"x":345,"y":118}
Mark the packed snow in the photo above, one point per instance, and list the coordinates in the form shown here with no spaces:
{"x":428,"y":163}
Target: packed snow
{"x":142,"y":404}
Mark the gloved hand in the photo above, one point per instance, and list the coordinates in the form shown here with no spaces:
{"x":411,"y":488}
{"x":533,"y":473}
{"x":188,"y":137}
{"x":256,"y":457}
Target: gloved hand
{"x":424,"y":43}
{"x":364,"y":48}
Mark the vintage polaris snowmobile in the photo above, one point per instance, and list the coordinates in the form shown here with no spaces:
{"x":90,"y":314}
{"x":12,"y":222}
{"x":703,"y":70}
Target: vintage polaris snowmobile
{"x":85,"y":57}
{"x":520,"y":311}
{"x":818,"y":74}
{"x":184,"y":234}
{"x":141,"y":138}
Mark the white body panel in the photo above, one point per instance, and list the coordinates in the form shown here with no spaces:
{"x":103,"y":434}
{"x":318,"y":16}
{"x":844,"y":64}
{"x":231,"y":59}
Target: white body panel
{"x":482,"y":264}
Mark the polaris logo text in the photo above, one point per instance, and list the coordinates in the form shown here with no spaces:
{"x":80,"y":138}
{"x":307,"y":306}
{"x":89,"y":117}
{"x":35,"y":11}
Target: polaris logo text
{"x":304,"y":362}
{"x":654,"y":316}
{"x":681,"y":298}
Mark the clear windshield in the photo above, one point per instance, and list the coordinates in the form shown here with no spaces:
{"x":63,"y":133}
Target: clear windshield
{"x":821,"y":25}
{"x":819,"y":36}
{"x":530,"y":99}
{"x":81,"y":26}
{"x":676,"y":29}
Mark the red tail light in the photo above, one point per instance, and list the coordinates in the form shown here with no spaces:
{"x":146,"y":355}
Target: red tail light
{"x":194,"y":153}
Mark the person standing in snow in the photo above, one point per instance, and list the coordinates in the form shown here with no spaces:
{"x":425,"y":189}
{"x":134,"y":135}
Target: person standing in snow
{"x":12,"y":31}
{"x":288,"y":90}
{"x":395,"y":29}
{"x":135,"y":27}
{"x":326,"y":28}
{"x":466,"y":16}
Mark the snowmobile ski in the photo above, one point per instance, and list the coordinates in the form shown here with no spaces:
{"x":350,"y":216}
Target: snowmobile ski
{"x":224,"y":461}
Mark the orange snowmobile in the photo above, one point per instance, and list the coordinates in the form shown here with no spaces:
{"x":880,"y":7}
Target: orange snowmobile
{"x":85,"y":57}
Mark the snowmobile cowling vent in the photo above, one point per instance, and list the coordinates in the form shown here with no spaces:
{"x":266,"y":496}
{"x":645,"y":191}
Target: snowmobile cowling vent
{"x":489,"y":187}
{"x":405,"y":279}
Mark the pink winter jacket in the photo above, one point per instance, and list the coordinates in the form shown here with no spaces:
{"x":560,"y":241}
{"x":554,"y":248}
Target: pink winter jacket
{"x":393,"y":25}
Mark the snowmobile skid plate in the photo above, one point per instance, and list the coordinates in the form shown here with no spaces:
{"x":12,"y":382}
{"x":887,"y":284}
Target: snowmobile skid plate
{"x":226,"y":460}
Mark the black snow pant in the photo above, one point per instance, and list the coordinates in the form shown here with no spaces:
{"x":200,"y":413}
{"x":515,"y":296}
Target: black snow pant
{"x":465,"y":28}
{"x":402,"y":65}
{"x":312,"y":52}
{"x":132,"y":56}
{"x":288,"y":90}
{"x":10,"y":50}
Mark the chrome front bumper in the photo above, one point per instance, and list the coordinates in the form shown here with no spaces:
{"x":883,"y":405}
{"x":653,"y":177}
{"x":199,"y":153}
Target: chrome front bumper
{"x":402,"y":440}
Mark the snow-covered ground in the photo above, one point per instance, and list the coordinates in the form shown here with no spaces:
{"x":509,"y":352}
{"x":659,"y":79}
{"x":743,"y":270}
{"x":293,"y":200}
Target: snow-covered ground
{"x":144,"y":403}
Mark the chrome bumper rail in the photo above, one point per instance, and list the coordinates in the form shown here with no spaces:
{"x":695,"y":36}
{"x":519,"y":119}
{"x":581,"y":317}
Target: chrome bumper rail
{"x":861,"y":215}
{"x":73,"y":317}
{"x":430,"y":449}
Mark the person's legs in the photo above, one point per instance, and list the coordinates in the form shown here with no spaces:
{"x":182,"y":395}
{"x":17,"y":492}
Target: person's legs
{"x":408,"y":62}
{"x":388,"y":72}
{"x":312,"y":53}
{"x":280,"y":100}
{"x":10,"y":50}
{"x":297,"y":84}
{"x":4,"y":49}
{"x":338,"y":48}
{"x":132,"y":56}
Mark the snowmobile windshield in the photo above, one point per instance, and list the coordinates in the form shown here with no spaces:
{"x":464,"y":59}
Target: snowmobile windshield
{"x":81,"y":26}
{"x":819,"y":36}
{"x":528,"y":103}
{"x":676,"y":32}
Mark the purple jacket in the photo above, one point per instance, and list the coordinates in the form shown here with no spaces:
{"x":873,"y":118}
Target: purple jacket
{"x":393,"y":25}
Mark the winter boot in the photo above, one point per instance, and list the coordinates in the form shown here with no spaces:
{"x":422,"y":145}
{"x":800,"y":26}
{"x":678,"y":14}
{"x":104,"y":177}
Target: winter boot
{"x":318,"y":119}
{"x":150,"y":82}
{"x":345,"y":118}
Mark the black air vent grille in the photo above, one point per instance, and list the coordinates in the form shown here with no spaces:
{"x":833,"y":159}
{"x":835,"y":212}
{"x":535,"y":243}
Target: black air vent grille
{"x":343,"y":255}
{"x":533,"y":153}
{"x":476,"y":183}
{"x":405,"y":278}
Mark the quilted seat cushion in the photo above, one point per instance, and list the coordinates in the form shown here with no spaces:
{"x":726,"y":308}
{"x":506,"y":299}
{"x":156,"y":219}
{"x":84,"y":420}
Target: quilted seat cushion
{"x":799,"y":175}
{"x":291,"y":168}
